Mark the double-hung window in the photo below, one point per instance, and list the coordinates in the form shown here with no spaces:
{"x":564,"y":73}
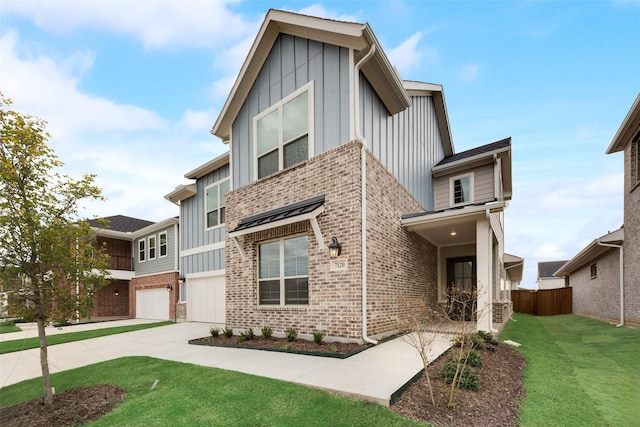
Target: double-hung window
{"x":283,"y":272}
{"x":283,"y":133}
{"x":141,"y":251}
{"x":461,"y":189}
{"x":163,"y":244}
{"x":152,"y":247}
{"x":215,"y":203}
{"x":635,"y":161}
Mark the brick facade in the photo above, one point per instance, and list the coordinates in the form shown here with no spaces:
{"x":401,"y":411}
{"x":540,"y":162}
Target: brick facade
{"x":398,"y":261}
{"x":155,"y":281}
{"x":598,"y":297}
{"x":631,"y":242}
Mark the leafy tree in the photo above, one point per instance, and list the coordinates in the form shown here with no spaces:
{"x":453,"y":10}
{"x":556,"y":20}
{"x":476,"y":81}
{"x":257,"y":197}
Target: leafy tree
{"x":49,"y":262}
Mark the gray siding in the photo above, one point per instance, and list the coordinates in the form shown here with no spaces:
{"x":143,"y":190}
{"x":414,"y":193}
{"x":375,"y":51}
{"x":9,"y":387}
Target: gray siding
{"x":193,"y":215}
{"x":292,"y":63}
{"x":483,"y":186}
{"x":157,"y":265}
{"x":408,"y":144}
{"x":205,"y":261}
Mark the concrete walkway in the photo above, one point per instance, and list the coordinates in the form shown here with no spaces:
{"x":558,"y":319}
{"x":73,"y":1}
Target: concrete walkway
{"x":374,"y":374}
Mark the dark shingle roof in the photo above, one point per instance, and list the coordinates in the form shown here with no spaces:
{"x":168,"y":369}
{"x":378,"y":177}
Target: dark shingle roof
{"x":122,"y":223}
{"x":476,"y":151}
{"x":547,"y":268}
{"x":416,"y":214}
{"x":284,"y":212}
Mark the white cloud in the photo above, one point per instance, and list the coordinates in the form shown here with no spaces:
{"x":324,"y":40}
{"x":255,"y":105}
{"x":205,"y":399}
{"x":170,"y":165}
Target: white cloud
{"x":156,"y":24}
{"x":469,"y":72}
{"x":407,"y":55}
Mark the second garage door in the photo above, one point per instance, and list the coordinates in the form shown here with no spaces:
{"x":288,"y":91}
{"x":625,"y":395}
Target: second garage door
{"x":206,"y":299}
{"x":152,"y":304}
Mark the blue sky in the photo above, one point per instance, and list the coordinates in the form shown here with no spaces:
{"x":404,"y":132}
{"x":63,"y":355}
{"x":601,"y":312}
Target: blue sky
{"x":131,"y":89}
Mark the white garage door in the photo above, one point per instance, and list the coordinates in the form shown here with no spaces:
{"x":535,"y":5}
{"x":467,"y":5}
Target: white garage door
{"x":152,"y":304}
{"x":206,"y":299}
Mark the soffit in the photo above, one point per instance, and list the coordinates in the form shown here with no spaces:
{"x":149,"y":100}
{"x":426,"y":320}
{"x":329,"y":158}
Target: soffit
{"x":629,"y":129}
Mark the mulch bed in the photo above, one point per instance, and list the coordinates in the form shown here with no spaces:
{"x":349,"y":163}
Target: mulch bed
{"x":495,"y":404}
{"x":301,"y":346}
{"x":70,"y":408}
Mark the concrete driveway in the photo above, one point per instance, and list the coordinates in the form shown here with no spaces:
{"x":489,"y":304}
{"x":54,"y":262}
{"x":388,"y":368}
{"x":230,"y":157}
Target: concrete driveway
{"x":374,"y":374}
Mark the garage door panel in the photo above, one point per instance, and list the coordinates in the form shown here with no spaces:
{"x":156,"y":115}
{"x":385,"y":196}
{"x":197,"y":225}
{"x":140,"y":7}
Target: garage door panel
{"x":152,"y":304}
{"x":206,"y":299}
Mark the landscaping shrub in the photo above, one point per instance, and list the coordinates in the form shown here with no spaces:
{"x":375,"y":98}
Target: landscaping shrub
{"x":469,"y":379}
{"x":248,"y":334}
{"x":227,"y":331}
{"x":291,"y":334}
{"x":317,"y":337}
{"x":215,"y":331}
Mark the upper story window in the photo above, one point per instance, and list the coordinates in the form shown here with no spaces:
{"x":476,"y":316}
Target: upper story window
{"x":142,"y":253}
{"x":163,"y":244}
{"x":152,"y":247}
{"x":283,"y":133}
{"x":594,"y":271}
{"x":635,"y":161}
{"x":283,"y":272}
{"x":461,"y":189}
{"x":215,"y":203}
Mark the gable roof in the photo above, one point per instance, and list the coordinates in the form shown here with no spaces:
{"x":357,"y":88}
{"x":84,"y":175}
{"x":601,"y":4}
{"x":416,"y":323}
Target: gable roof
{"x":378,"y":70}
{"x":629,"y":129}
{"x":478,"y":152}
{"x":547,"y":268}
{"x":592,"y":251}
{"x":122,"y":223}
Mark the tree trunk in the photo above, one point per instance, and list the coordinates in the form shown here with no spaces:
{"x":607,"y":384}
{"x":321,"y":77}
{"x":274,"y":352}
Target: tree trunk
{"x":44,"y":363}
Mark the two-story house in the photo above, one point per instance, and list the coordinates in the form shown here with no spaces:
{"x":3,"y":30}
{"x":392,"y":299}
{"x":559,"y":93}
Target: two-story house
{"x":144,"y":268}
{"x":340,"y":193}
{"x":605,"y":275}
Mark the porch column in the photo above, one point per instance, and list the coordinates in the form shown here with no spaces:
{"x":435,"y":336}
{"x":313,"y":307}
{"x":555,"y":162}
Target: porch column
{"x":484,"y":255}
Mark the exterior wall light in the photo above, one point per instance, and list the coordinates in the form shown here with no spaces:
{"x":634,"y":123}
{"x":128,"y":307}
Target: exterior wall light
{"x":116,"y":293}
{"x":169,"y":287}
{"x":334,"y":248}
{"x":181,"y":279}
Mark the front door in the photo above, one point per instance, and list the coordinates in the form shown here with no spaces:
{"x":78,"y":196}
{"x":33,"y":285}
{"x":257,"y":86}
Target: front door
{"x":461,"y":275}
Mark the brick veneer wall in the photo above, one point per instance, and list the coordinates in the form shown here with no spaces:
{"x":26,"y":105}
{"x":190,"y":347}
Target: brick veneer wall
{"x":155,"y":281}
{"x":398,"y":262}
{"x":600,"y":297}
{"x":631,"y":243}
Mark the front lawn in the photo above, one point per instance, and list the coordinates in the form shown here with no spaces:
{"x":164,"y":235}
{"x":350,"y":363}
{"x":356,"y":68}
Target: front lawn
{"x":580,"y":372}
{"x":34,"y":342}
{"x":195,"y":395}
{"x":8,"y":326}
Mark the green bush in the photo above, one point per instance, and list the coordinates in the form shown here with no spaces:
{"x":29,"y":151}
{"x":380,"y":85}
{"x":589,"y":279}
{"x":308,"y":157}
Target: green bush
{"x":291,"y":334}
{"x":267,"y":332}
{"x":469,"y":380}
{"x":474,"y":359}
{"x":317,"y":337}
{"x":248,"y":334}
{"x":215,"y":331}
{"x":485,"y":336}
{"x":227,"y":331}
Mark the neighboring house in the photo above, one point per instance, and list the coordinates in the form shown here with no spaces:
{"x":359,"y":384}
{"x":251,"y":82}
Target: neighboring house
{"x":625,"y":241}
{"x":341,"y":193}
{"x":514,"y":267}
{"x":546,"y":278}
{"x":143,"y":260}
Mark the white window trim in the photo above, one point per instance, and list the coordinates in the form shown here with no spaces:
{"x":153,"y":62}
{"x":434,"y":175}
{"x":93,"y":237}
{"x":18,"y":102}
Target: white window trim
{"x":452,"y":181}
{"x":155,"y":247}
{"x":218,"y":182}
{"x":278,"y":106}
{"x":282,"y":276}
{"x":166,"y":239}
{"x":143,"y":251}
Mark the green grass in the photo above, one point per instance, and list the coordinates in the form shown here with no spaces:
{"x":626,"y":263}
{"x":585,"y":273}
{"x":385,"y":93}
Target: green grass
{"x":580,"y":372}
{"x":190,"y":395}
{"x":34,"y":342}
{"x":8,"y":326}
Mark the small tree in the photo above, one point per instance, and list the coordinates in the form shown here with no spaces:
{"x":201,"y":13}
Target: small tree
{"x":49,"y":263}
{"x":420,"y":320}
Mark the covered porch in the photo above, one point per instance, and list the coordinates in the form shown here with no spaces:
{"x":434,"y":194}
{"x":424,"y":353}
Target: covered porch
{"x":470,"y":256}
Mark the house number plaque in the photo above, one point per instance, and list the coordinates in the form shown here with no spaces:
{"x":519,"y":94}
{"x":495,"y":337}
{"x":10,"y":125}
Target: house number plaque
{"x":339,"y":265}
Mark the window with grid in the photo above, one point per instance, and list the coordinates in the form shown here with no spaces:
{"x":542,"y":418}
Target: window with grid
{"x":461,"y":189}
{"x":163,"y":244}
{"x":215,"y":204}
{"x":635,"y":160}
{"x":283,"y":272}
{"x":141,"y":251}
{"x":282,"y":133}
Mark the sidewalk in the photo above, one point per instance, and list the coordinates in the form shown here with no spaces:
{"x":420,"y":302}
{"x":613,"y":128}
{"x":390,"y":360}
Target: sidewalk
{"x":374,"y":374}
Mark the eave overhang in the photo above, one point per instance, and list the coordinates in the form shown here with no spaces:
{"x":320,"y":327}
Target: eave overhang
{"x":514,"y":266}
{"x":182,"y":192}
{"x":155,"y":227}
{"x":359,"y":37}
{"x":629,"y":129}
{"x":592,"y":251}
{"x":208,"y":167}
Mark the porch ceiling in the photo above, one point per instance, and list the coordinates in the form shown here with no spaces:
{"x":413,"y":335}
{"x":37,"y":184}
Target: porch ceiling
{"x":441,"y":233}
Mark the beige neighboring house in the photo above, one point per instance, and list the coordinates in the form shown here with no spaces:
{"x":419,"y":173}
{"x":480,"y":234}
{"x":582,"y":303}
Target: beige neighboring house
{"x":608,"y":281}
{"x":546,"y":277}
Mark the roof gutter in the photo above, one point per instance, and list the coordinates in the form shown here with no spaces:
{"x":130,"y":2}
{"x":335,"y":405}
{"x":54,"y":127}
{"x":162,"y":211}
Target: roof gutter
{"x":611,"y":245}
{"x":363,"y":186}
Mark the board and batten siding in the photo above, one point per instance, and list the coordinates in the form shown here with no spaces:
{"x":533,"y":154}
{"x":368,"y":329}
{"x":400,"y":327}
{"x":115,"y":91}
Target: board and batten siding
{"x":159,"y":264}
{"x":408,"y":144}
{"x":292,"y":63}
{"x":483,"y":186}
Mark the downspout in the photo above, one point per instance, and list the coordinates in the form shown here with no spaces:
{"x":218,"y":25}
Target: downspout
{"x":363,"y":187}
{"x":610,"y":245}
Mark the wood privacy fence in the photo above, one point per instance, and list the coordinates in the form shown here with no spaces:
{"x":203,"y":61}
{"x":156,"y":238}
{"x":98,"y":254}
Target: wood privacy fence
{"x":543,"y":302}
